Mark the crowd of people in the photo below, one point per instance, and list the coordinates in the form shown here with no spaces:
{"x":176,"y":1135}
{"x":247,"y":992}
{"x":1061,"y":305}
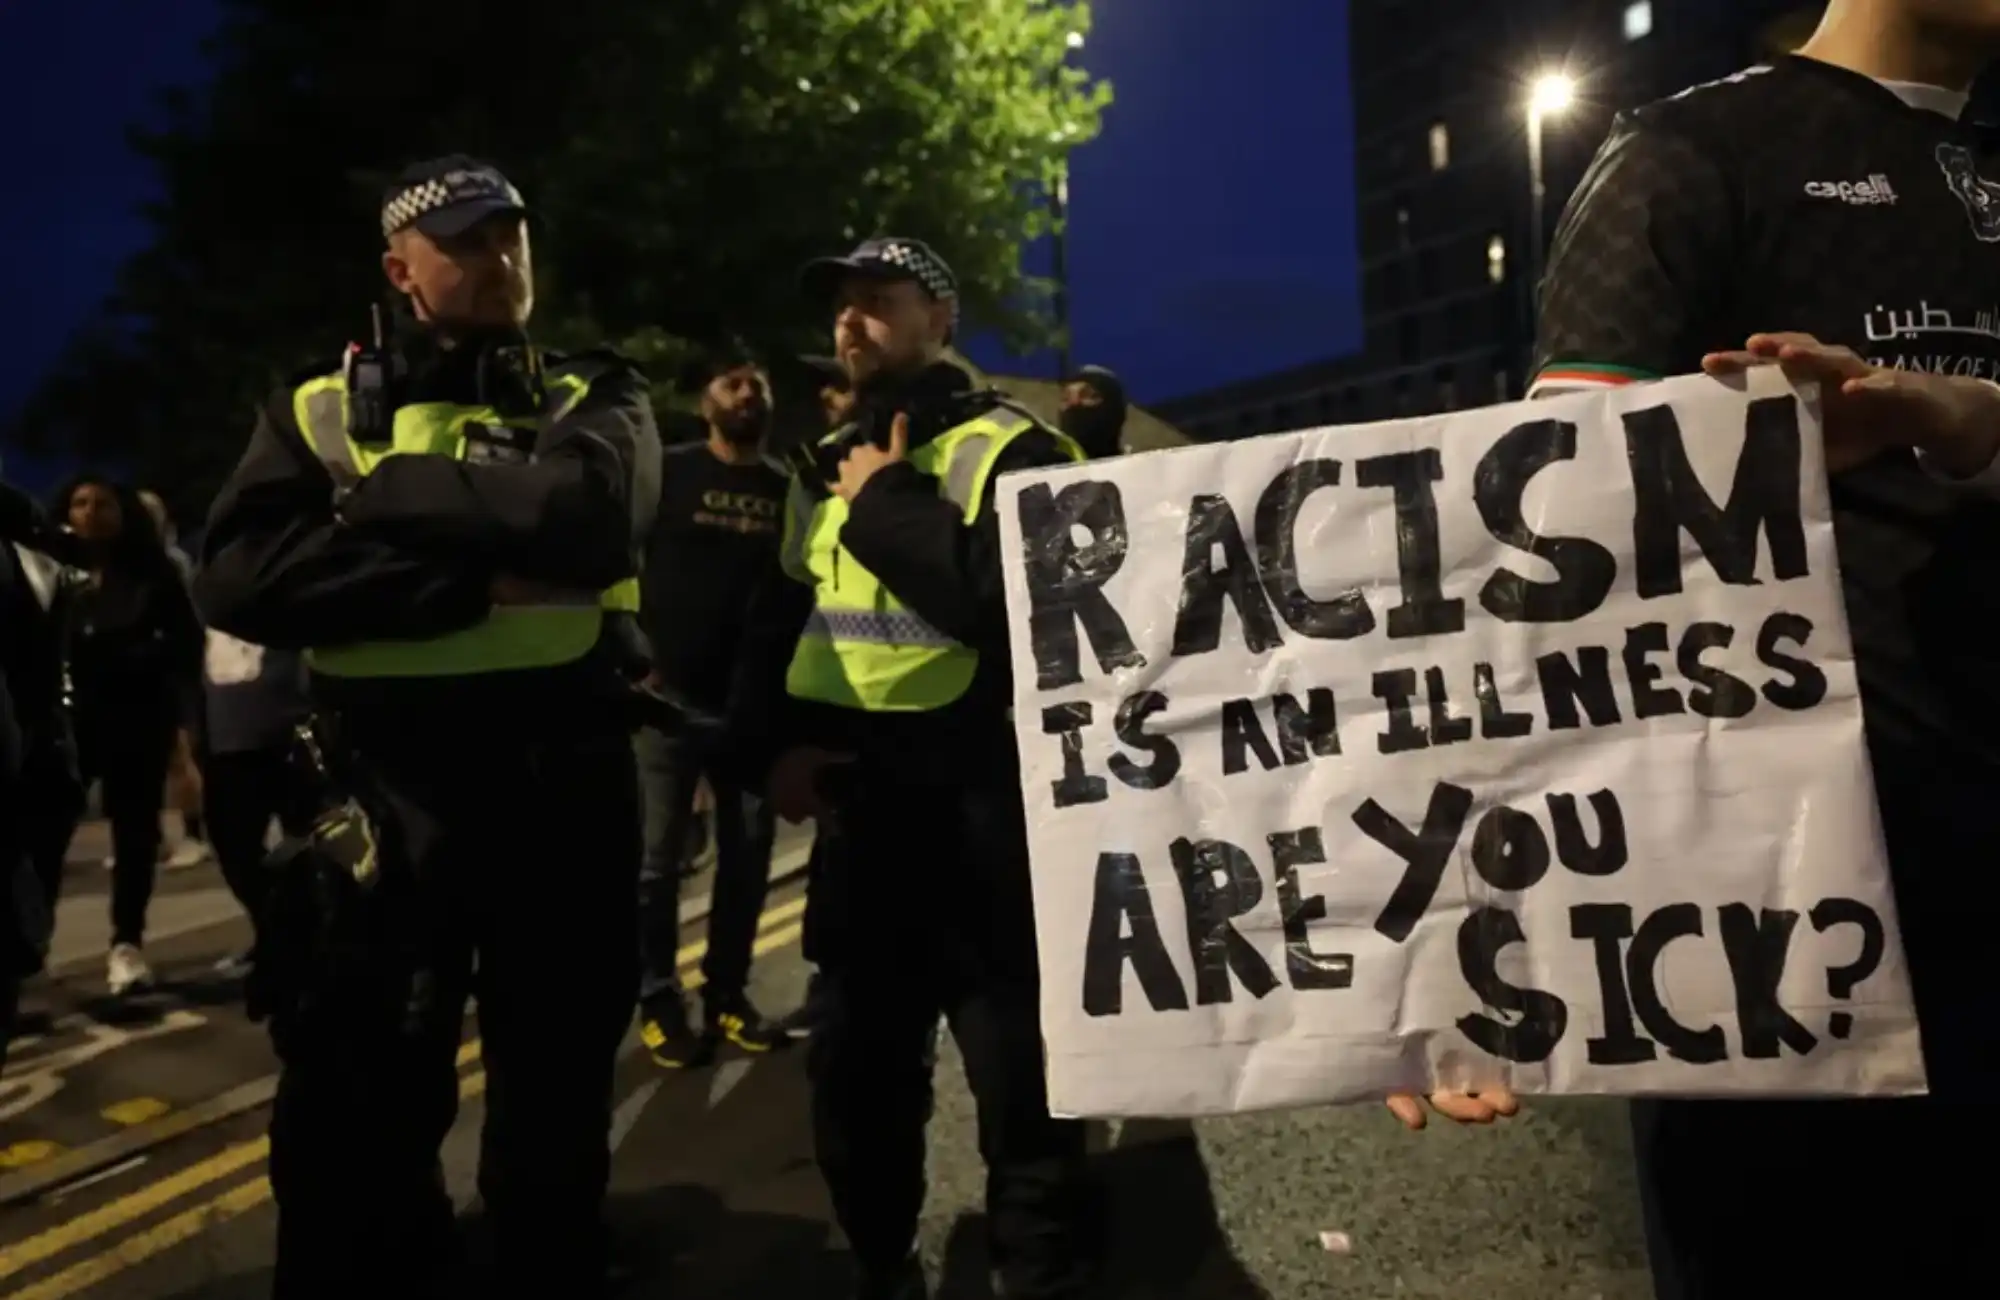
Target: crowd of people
{"x":158,"y":709}
{"x":829,"y":641}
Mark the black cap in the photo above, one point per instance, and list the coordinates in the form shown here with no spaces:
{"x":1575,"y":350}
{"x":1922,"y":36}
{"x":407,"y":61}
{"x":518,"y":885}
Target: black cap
{"x":447,"y":196}
{"x":1102,"y":378}
{"x":890,"y":258}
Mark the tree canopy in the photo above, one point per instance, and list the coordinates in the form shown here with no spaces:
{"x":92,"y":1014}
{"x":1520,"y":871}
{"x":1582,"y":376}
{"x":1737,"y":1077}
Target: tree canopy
{"x":682,"y":160}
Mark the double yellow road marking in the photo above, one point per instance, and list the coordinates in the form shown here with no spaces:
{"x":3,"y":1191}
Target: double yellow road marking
{"x":778,"y":928}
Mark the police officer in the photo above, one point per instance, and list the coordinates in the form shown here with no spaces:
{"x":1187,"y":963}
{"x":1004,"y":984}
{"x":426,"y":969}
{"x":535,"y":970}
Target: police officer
{"x":891,"y":718}
{"x":440,"y":525}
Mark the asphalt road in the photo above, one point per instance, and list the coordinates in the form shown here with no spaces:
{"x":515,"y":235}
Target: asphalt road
{"x":714,"y":1193}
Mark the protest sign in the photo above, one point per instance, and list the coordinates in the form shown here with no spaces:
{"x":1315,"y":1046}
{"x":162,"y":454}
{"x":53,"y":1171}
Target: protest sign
{"x":1519,"y":745}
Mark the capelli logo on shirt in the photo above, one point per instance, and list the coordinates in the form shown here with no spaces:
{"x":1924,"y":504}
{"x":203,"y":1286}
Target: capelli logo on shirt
{"x":1873,"y":192}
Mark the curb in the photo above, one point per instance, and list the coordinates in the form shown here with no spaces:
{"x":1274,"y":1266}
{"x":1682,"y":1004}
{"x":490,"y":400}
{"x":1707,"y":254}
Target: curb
{"x":59,"y":1171}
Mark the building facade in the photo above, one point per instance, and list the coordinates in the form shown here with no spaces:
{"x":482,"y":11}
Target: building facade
{"x":1443,"y":186}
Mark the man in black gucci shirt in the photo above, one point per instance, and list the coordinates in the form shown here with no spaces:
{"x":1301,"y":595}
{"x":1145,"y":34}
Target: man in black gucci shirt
{"x":1838,"y":196}
{"x":714,"y":542}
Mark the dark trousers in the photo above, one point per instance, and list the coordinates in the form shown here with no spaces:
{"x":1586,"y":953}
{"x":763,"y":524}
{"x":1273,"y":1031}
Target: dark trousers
{"x":819,"y":942}
{"x":522,"y":858}
{"x":51,"y":804}
{"x":958,"y":860}
{"x":127,"y":754}
{"x":1746,"y":1200}
{"x":242,"y":791}
{"x":669,"y":771}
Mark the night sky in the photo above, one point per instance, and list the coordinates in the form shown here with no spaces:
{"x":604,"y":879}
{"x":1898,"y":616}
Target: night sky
{"x":1212,"y":232}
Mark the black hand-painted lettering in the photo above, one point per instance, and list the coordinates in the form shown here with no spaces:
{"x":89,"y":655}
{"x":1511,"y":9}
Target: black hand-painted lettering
{"x":1164,"y":757}
{"x":1205,"y":587}
{"x":1695,"y":1046}
{"x":1120,"y":899}
{"x":1509,"y":850}
{"x":1496,"y":722}
{"x":1841,"y":980}
{"x":1066,"y":580}
{"x":1446,"y":728}
{"x":1806,"y":685}
{"x":1609,"y":855}
{"x":1306,"y":968}
{"x":1397,"y":689}
{"x":1607,"y":926}
{"x":1757,"y":945}
{"x":1586,"y":682}
{"x":1424,"y":611}
{"x":1076,"y":785}
{"x":1668,"y":498}
{"x":1717,"y":693}
{"x":1219,"y":883}
{"x":1584,"y":569}
{"x":1649,"y":698}
{"x":1425,"y":853}
{"x":1243,"y":737}
{"x":1346,"y":615}
{"x":1309,"y":731}
{"x":1543,"y":1016}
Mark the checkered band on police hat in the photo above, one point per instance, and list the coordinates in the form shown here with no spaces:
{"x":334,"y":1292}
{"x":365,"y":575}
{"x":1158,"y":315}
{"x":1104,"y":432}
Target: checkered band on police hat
{"x":924,"y":266}
{"x":457,"y":186}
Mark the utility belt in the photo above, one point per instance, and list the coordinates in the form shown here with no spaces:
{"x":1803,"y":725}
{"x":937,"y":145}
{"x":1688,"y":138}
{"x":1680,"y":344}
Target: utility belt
{"x":327,"y":932}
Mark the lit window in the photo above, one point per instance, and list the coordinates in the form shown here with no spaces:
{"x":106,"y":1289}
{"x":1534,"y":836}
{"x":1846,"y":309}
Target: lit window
{"x":1638,"y":20}
{"x":1496,"y":259}
{"x":1440,"y":146}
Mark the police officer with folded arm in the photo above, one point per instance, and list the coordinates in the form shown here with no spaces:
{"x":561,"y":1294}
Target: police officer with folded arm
{"x":446,"y":524}
{"x":877,"y":694}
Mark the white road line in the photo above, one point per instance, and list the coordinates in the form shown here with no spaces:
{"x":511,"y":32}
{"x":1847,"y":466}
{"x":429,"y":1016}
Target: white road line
{"x":727,"y":1076}
{"x":627,"y":1115}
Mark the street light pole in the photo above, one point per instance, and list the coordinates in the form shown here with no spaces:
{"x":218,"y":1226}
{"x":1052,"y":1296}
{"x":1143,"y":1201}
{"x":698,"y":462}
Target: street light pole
{"x":1059,"y":209}
{"x":1538,"y":201}
{"x":1550,"y":95}
{"x":1059,"y":247}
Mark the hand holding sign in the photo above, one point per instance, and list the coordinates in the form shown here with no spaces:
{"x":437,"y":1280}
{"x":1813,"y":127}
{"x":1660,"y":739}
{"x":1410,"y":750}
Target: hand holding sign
{"x":1954,"y":419}
{"x":865,"y":458}
{"x":1481,"y":1107}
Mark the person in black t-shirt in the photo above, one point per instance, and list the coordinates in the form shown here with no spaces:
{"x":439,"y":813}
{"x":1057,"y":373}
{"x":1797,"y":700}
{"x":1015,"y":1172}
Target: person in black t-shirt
{"x":1838,"y":194}
{"x":714,"y":540}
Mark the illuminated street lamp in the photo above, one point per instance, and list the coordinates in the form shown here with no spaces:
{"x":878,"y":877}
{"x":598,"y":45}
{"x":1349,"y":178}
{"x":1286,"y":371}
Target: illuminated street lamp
{"x":1549,"y":96}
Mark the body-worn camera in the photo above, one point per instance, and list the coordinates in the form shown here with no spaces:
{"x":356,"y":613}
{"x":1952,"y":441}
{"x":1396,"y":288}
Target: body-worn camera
{"x":508,"y":378}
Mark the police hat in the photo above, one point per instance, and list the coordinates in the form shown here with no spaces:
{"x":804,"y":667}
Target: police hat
{"x":889,"y":258}
{"x":447,"y":196}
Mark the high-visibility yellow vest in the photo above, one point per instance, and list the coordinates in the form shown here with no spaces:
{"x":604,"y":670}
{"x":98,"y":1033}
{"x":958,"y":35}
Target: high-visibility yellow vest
{"x":862,"y":648}
{"x":511,"y":637}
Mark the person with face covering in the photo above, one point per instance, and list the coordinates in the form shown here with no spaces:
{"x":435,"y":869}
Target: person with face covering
{"x":132,"y":645}
{"x":714,"y":542}
{"x":1094,"y":410}
{"x":447,"y":524}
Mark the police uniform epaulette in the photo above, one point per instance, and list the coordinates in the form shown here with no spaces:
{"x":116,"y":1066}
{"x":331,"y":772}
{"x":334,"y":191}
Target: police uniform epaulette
{"x":598,"y":359}
{"x":984,"y":401}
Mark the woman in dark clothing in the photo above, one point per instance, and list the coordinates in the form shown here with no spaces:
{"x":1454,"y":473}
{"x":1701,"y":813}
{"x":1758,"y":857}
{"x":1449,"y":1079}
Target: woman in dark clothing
{"x":132,"y":644}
